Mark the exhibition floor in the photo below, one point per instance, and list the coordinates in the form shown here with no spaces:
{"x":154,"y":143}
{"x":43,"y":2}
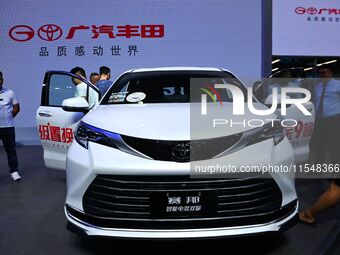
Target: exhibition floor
{"x":32,"y":220}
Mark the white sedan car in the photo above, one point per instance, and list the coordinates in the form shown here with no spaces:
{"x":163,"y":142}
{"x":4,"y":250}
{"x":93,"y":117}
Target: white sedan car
{"x":129,"y":161}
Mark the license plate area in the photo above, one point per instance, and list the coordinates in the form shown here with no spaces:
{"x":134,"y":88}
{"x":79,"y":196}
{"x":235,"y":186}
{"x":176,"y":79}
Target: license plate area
{"x":182,"y":204}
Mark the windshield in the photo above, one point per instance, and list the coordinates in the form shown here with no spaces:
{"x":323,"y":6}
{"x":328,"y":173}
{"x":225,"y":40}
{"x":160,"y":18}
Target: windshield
{"x":168,"y":86}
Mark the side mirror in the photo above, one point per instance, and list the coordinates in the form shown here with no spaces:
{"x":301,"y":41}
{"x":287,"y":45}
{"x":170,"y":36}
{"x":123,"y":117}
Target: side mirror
{"x":75,"y":104}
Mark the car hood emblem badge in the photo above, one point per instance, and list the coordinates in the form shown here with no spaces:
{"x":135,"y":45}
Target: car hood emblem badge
{"x":181,"y":151}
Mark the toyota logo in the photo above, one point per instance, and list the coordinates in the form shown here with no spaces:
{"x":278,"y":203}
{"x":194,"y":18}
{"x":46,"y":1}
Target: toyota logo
{"x":21,"y":33}
{"x":181,"y":151}
{"x":312,"y":10}
{"x":50,"y":32}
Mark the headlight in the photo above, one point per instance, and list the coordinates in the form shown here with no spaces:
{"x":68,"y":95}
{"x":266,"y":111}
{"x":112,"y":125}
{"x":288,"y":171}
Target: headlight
{"x":271,"y":130}
{"x":86,"y":133}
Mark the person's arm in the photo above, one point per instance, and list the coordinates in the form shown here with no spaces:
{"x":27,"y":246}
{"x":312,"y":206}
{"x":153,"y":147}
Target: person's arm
{"x":16,"y":110}
{"x":16,"y":106}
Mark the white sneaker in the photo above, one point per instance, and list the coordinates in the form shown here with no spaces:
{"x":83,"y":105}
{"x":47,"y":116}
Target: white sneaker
{"x":15,"y":176}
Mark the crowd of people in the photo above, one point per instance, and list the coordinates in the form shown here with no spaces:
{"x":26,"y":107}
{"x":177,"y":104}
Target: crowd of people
{"x":101,"y":80}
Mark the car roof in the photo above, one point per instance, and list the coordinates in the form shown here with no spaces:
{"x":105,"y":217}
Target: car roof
{"x":157,"y":69}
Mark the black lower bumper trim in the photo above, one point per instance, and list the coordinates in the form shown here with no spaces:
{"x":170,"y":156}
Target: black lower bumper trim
{"x":75,"y":229}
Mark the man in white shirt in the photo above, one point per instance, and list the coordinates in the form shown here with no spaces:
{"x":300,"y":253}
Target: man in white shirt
{"x":81,"y":87}
{"x":9,"y":108}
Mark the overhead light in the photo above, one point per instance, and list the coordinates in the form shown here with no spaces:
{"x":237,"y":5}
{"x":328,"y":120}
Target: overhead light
{"x":328,"y":62}
{"x":275,"y":69}
{"x":275,"y":61}
{"x":308,"y":68}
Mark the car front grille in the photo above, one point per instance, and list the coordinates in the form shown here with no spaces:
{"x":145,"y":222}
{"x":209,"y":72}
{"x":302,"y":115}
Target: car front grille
{"x":124,"y":202}
{"x":171,"y":150}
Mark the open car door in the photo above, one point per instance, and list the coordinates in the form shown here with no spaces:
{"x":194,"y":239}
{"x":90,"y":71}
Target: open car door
{"x":299,"y":135}
{"x":55,"y":120}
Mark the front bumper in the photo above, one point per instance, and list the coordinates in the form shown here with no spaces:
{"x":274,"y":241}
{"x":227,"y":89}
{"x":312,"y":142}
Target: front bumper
{"x":82,"y":173}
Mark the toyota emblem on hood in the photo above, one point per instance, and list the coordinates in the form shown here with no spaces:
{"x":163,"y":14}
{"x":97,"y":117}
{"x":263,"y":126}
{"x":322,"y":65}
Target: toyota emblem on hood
{"x":181,"y":151}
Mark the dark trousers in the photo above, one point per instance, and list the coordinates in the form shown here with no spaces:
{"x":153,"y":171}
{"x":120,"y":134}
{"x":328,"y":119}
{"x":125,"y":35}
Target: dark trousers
{"x":326,"y":140}
{"x":7,"y":135}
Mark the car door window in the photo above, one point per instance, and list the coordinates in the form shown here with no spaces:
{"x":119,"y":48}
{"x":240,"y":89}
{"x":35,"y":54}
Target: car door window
{"x":61,"y":87}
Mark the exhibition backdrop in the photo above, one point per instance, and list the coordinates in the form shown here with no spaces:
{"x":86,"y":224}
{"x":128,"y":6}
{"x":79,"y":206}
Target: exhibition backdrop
{"x":306,"y":27}
{"x":57,"y":35}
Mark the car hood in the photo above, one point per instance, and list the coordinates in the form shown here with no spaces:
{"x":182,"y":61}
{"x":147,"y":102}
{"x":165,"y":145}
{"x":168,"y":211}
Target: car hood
{"x":175,"y":121}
